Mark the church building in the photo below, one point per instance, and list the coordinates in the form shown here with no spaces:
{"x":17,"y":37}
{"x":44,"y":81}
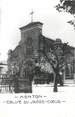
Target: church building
{"x":30,"y":48}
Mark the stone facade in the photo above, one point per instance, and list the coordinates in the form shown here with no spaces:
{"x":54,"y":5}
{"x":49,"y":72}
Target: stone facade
{"x":30,"y":48}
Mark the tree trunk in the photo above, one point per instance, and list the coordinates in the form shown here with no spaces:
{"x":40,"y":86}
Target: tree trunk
{"x":55,"y":82}
{"x":61,"y":80}
{"x":16,"y":83}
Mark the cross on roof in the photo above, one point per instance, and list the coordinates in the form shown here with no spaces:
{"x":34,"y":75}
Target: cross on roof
{"x":32,"y":15}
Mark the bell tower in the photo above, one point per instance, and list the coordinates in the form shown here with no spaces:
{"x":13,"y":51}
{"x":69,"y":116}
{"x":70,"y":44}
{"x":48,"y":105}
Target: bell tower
{"x":30,"y":37}
{"x":33,"y":30}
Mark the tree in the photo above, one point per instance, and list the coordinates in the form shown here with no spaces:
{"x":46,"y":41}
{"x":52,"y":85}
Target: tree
{"x":67,"y":6}
{"x":12,"y":77}
{"x":56,"y":57}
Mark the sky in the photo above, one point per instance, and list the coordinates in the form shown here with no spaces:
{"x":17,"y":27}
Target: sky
{"x":16,"y":13}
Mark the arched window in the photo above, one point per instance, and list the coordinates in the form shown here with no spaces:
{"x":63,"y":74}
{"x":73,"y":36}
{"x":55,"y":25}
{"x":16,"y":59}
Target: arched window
{"x":29,"y":47}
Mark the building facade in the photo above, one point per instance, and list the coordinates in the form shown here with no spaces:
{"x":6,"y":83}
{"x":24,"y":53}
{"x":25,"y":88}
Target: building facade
{"x":30,"y":50}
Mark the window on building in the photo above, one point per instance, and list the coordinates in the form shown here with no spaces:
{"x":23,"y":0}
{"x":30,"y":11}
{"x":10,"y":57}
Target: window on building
{"x":29,"y":48}
{"x":69,"y":71}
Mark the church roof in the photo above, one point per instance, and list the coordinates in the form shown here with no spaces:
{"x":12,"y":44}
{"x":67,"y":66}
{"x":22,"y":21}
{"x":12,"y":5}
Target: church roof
{"x":32,"y":24}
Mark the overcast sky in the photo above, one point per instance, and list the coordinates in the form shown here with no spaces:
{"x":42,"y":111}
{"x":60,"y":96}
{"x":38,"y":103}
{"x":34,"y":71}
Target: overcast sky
{"x":16,"y":13}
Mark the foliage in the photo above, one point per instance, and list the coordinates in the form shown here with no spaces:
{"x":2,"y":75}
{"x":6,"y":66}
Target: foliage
{"x":67,"y":6}
{"x":45,"y":65}
{"x":56,"y":57}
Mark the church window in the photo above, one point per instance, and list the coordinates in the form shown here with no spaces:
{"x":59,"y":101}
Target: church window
{"x":29,"y":48}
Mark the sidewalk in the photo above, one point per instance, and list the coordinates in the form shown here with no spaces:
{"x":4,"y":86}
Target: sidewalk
{"x":52,"y":84}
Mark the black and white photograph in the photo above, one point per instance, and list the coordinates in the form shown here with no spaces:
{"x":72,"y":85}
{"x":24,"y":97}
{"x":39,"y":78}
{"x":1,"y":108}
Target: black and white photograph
{"x":37,"y":58}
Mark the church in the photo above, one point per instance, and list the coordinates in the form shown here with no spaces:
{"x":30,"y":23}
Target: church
{"x":30,"y":50}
